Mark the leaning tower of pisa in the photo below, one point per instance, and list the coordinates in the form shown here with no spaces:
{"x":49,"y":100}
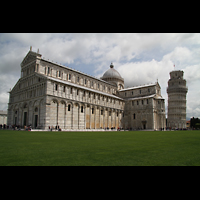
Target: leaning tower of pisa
{"x":177,"y":91}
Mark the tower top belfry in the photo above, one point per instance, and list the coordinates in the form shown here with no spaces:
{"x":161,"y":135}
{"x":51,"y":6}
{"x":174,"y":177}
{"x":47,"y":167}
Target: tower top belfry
{"x":176,"y":74}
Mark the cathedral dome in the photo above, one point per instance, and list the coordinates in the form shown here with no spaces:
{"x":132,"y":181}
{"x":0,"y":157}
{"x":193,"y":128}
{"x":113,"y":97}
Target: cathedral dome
{"x":112,"y":76}
{"x":111,"y":73}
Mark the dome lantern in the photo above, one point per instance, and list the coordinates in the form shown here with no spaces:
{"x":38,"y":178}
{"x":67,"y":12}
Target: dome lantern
{"x":111,"y":65}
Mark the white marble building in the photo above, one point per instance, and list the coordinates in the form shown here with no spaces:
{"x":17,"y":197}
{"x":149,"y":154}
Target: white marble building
{"x":177,"y":91}
{"x":144,"y":107}
{"x":3,"y":117}
{"x":50,"y":94}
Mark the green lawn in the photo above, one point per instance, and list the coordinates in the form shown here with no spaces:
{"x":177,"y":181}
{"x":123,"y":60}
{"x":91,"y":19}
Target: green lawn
{"x":129,"y":148}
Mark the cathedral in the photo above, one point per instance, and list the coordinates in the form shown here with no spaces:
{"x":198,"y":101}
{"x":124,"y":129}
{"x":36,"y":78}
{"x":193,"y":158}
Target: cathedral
{"x":49,"y":95}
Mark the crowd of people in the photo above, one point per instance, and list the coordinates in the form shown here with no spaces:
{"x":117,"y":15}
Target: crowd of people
{"x":3,"y":126}
{"x":15,"y":127}
{"x":54,"y":128}
{"x":57,"y":128}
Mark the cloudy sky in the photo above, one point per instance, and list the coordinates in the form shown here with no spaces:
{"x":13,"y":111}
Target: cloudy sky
{"x":140,"y":58}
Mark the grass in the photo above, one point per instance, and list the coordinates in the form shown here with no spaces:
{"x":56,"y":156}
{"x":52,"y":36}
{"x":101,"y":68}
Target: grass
{"x":129,"y":148}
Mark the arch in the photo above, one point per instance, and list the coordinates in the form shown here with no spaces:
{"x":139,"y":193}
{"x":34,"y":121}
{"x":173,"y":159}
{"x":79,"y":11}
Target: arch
{"x":15,"y":113}
{"x":11,"y":107}
{"x":87,"y":116}
{"x":69,"y":105}
{"x":30,"y":103}
{"x":105,"y":124}
{"x":75,"y":115}
{"x":109,"y":115}
{"x":25,"y":105}
{"x":100,"y":117}
{"x":35,"y":116}
{"x":16,"y":106}
{"x":81,"y":113}
{"x":41,"y":102}
{"x":63,"y":102}
{"x":36,"y":103}
{"x":20,"y":105}
{"x":62,"y":114}
{"x":54,"y":100}
{"x":77,"y":104}
{"x":37,"y":113}
{"x":121,"y":86}
{"x":69,"y":114}
{"x":69,"y":102}
{"x":53,"y":110}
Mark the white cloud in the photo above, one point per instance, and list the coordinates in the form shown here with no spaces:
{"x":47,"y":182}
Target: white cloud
{"x":7,"y":82}
{"x":139,"y":57}
{"x":192,"y":73}
{"x":179,"y":56}
{"x":4,"y":101}
{"x":138,"y":73}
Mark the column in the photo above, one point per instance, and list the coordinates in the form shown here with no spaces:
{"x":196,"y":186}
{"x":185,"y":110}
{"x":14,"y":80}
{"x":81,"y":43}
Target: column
{"x":90,"y":115}
{"x":107,"y":117}
{"x":72,"y":105}
{"x":99,"y":117}
{"x":95,"y":108}
{"x":78,"y":115}
{"x":85,"y":108}
{"x":115,"y":119}
{"x":103,"y":117}
{"x":57,"y":114}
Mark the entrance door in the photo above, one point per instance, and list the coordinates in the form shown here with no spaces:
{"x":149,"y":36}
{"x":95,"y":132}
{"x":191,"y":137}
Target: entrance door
{"x":36,"y":120}
{"x":25,"y":118}
{"x":144,"y":122}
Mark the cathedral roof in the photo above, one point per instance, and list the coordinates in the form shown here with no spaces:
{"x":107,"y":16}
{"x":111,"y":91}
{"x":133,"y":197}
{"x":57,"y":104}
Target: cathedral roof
{"x":140,"y":86}
{"x":145,"y":97}
{"x":74,"y":70}
{"x":84,"y":88}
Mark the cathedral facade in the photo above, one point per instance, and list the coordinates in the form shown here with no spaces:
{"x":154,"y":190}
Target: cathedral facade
{"x":49,"y":94}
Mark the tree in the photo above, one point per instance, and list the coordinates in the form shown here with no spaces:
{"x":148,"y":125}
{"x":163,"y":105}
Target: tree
{"x":194,"y":122}
{"x":197,"y":125}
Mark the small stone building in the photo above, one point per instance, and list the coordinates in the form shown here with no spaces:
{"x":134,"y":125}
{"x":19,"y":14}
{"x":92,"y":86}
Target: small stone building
{"x":3,"y":117}
{"x":144,"y":107}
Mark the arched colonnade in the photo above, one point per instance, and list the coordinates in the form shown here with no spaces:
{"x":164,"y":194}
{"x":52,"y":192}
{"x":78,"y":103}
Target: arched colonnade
{"x":28,"y":113}
{"x":69,"y":114}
